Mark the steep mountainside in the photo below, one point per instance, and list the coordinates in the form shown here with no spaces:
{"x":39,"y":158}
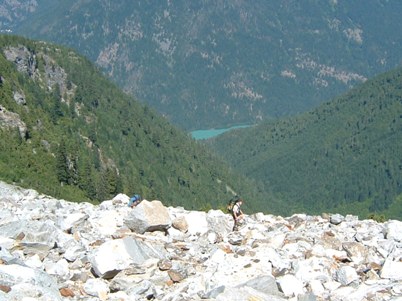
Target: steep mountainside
{"x":346,"y":154}
{"x":68,"y":132}
{"x":206,"y":64}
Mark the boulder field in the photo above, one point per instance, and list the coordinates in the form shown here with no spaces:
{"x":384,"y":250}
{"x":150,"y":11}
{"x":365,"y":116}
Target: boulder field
{"x":53,"y":250}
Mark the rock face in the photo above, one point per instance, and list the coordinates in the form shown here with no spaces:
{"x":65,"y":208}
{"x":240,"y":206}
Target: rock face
{"x":12,"y":120}
{"x":56,"y":250}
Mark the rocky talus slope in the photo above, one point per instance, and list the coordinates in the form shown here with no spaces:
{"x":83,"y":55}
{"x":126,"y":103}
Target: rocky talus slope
{"x":56,"y":250}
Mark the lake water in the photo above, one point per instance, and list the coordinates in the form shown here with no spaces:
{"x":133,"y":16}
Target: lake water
{"x":205,"y":134}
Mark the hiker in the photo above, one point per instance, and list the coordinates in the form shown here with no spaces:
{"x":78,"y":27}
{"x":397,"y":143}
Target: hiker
{"x":134,"y":200}
{"x":237,"y":214}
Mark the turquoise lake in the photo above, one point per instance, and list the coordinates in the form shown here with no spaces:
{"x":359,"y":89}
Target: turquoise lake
{"x":205,"y":134}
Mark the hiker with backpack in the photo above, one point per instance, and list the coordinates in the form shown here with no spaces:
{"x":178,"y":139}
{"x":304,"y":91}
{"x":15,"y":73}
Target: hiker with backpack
{"x":237,"y":213}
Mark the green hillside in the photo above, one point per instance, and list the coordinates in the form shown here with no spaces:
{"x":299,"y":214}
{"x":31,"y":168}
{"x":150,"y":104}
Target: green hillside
{"x":67,"y":131}
{"x":343,"y":156}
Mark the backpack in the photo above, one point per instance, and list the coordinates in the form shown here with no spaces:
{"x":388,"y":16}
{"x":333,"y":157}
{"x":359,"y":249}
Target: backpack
{"x":233,"y":201}
{"x":134,"y":200}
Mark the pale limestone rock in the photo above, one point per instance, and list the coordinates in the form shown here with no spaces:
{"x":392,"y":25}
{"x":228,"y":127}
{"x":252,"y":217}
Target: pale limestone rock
{"x":264,"y":283}
{"x":219,"y":222}
{"x":67,"y":222}
{"x":59,"y":269}
{"x":245,"y":293}
{"x":393,"y":230}
{"x":34,"y":262}
{"x":336,"y":219}
{"x":116,"y":255}
{"x":197,"y":223}
{"x":97,"y":288}
{"x":342,"y":293}
{"x":290,"y":285}
{"x":148,"y":217}
{"x":107,"y":222}
{"x":316,"y":287}
{"x":177,"y":235}
{"x":331,"y":286}
{"x":16,"y":194}
{"x":271,"y":256}
{"x":346,"y":275}
{"x":25,"y":280}
{"x":277,"y":241}
{"x":107,"y":205}
{"x":357,"y":252}
{"x":73,"y":252}
{"x":312,"y":268}
{"x":212,"y":237}
{"x":121,"y":199}
{"x":180,"y":223}
{"x":392,"y":270}
{"x":6,"y":242}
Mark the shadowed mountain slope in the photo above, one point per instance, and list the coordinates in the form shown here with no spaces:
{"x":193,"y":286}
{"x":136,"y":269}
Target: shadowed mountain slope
{"x":345,"y":155}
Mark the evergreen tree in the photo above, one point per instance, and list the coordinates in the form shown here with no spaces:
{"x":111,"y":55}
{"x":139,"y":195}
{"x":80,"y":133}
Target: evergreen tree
{"x":86,"y":179}
{"x":62,"y":163}
{"x":56,"y":111}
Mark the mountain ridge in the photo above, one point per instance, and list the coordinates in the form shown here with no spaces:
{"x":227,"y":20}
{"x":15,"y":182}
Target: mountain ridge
{"x":218,"y":64}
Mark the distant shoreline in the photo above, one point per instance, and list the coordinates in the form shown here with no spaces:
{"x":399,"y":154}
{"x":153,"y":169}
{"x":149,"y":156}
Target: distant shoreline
{"x":206,"y":134}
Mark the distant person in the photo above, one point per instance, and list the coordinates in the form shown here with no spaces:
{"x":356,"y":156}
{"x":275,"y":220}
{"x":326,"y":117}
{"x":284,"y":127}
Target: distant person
{"x":134,"y":200}
{"x":237,"y":214}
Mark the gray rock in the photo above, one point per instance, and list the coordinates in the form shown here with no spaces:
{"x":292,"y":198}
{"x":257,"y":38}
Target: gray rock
{"x":235,"y":238}
{"x":116,"y":255}
{"x":24,"y":280}
{"x":67,"y":221}
{"x":336,"y":219}
{"x":32,"y":236}
{"x":245,"y":293}
{"x":212,"y":294}
{"x":346,"y":275}
{"x":148,"y":217}
{"x":96,"y":288}
{"x":219,"y":222}
{"x":19,"y":97}
{"x":144,"y":288}
{"x":357,"y":252}
{"x":307,"y":297}
{"x":265,"y":284}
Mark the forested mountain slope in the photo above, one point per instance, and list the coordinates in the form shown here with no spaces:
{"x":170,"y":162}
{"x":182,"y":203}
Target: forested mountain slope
{"x":67,"y":131}
{"x":345,"y":155}
{"x":208,"y":64}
